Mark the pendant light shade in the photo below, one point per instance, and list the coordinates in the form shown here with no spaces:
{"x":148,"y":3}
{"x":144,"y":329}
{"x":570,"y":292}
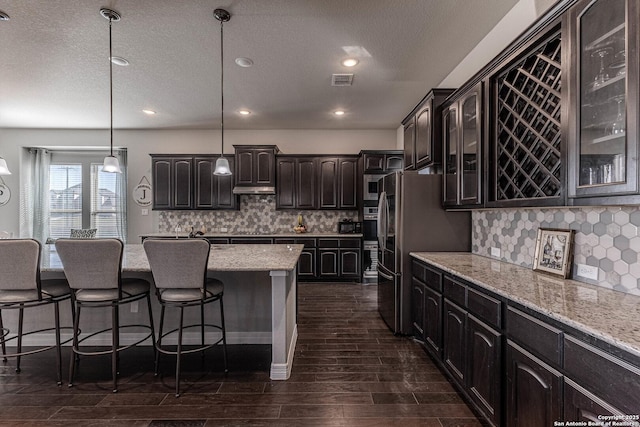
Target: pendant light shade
{"x":111,"y":163}
{"x":4,"y":169}
{"x":222,"y":164}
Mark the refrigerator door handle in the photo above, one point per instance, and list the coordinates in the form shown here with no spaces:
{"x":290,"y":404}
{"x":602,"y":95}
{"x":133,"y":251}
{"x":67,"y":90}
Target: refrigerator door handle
{"x":386,"y":276}
{"x":382,"y":220}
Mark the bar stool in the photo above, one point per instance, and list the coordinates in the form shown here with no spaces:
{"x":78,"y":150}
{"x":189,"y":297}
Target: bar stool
{"x":179,"y":269}
{"x":93,"y":269}
{"x":22,"y":288}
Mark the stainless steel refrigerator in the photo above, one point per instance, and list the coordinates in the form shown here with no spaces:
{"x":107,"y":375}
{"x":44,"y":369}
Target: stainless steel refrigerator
{"x":411,"y":219}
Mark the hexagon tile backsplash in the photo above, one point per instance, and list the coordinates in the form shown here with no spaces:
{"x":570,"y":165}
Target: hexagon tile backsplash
{"x":257,"y":214}
{"x":606,"y":237}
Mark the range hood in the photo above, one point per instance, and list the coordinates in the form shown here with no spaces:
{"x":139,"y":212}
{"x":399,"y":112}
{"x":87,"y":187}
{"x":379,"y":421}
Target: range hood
{"x":238,"y":189}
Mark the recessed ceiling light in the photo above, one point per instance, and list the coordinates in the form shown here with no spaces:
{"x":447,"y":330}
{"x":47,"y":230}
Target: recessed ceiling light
{"x":339,"y":113}
{"x":149,"y":112}
{"x":3,"y":16}
{"x":350,"y":62}
{"x":244,"y":62}
{"x":244,"y":112}
{"x":119,"y":61}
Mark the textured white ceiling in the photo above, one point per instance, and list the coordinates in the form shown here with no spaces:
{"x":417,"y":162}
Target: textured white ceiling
{"x":54,"y":70}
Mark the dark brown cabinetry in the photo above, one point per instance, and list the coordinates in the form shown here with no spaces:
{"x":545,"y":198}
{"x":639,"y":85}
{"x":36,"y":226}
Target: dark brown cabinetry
{"x":172,"y":182}
{"x":255,"y":166}
{"x":339,"y":258}
{"x":604,"y":96}
{"x":517,"y":366}
{"x":455,"y":340}
{"x":211,"y":191}
{"x":526,"y":161}
{"x":462,"y":129}
{"x":381,"y":162}
{"x":306,"y":182}
{"x":422,"y":131}
{"x":534,"y":389}
{"x":297,"y":182}
{"x":172,"y":178}
{"x":187,"y":183}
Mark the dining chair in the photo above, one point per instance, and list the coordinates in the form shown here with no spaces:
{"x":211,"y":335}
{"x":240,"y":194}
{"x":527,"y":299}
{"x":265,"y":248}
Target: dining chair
{"x":179,"y":269}
{"x":21,"y":288}
{"x":93,"y":268}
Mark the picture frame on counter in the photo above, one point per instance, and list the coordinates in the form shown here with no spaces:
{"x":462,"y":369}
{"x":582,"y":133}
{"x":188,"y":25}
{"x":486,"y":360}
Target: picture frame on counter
{"x":554,"y":251}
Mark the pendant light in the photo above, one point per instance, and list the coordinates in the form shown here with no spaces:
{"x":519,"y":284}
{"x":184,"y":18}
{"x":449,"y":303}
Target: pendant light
{"x":4,"y":169}
{"x":222,"y":164}
{"x":111,"y":163}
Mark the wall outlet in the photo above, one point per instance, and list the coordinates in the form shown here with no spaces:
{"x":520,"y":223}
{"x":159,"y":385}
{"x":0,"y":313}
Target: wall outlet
{"x":495,"y":252}
{"x":134,"y":307}
{"x":223,"y":229}
{"x":145,"y":212}
{"x":587,"y":271}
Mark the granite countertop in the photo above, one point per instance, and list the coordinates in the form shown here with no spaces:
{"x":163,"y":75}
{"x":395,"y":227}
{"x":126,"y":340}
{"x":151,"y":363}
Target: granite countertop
{"x":221,"y":258}
{"x":612,"y":316}
{"x":231,"y":235}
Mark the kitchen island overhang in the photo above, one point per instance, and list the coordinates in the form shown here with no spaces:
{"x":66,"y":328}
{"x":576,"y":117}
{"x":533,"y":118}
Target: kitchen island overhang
{"x":253,"y":275}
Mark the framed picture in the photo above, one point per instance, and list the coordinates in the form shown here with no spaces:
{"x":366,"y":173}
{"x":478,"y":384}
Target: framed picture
{"x":554,"y":251}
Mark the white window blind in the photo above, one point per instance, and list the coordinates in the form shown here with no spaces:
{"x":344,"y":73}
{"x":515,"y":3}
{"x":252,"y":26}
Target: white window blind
{"x":65,"y":190}
{"x":105,"y":201}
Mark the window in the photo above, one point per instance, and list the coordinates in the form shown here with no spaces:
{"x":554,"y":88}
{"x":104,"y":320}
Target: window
{"x":82,"y":196}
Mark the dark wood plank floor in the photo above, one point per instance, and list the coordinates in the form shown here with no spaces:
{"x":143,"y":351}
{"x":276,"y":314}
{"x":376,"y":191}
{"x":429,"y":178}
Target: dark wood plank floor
{"x":349,"y":370}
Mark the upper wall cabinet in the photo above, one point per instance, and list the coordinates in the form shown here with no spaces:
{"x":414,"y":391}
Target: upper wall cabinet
{"x":381,"y":162}
{"x":308,"y":182}
{"x":462,"y":131}
{"x":172,"y":181}
{"x":604,"y":86}
{"x":526,"y":165}
{"x":187,"y":182}
{"x":255,"y":166}
{"x":422,"y":131}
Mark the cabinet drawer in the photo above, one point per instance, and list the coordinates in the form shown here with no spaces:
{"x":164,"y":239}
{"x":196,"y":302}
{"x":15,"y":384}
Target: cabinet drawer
{"x":218,"y":240}
{"x":251,"y":240}
{"x":485,"y":307}
{"x":431,"y":278}
{"x":308,"y":243}
{"x":536,"y":336}
{"x":328,"y":243}
{"x":608,"y":377}
{"x":350,"y":243}
{"x":455,"y":291}
{"x":283,"y":241}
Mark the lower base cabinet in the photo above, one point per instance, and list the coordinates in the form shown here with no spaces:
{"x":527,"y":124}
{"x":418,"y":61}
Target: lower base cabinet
{"x":534,"y":390}
{"x":484,"y":353}
{"x":455,"y":340}
{"x":516,"y":366}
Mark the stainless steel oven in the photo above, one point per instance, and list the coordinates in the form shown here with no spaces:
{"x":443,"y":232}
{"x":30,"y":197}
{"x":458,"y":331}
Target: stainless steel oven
{"x":370,"y":183}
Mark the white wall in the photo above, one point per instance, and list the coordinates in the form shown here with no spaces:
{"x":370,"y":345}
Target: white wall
{"x":140,"y":143}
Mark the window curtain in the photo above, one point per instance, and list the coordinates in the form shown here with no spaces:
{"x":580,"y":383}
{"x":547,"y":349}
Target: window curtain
{"x":34,"y":201}
{"x":121,"y":185}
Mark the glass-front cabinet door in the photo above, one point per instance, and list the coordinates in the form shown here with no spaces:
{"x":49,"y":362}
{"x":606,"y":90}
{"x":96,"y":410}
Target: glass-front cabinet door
{"x":603,"y":109}
{"x":470,"y":141}
{"x":450,"y":131}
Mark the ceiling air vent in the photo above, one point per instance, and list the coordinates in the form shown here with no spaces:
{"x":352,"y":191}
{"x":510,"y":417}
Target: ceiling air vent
{"x":341,"y":79}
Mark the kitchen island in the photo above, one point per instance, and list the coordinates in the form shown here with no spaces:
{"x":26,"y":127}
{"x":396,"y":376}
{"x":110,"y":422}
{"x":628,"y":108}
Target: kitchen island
{"x":253,"y":275}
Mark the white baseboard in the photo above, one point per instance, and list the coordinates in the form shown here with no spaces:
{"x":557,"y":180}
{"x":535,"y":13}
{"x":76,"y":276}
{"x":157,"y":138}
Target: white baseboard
{"x":282,"y":371}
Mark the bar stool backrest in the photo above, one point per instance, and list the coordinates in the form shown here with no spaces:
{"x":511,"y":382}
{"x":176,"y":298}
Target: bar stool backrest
{"x":91,"y":263}
{"x":19,"y":264}
{"x":178,"y":263}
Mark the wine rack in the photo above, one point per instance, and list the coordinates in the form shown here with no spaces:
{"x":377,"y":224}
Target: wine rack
{"x":528,"y":138}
